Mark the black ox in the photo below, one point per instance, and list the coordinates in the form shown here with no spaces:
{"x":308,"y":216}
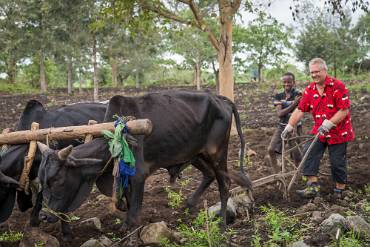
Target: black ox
{"x":188,"y":127}
{"x":12,"y":161}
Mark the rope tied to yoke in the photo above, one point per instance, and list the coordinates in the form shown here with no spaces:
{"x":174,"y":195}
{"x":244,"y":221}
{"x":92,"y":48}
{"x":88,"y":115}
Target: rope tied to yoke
{"x":119,"y":148}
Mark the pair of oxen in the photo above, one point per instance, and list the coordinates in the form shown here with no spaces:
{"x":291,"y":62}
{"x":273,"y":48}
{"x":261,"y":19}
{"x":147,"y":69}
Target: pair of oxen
{"x":188,"y":128}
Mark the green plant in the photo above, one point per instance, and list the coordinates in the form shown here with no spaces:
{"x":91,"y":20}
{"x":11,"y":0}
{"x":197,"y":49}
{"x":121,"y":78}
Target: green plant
{"x":349,"y":239}
{"x":256,"y":239}
{"x":117,"y":221}
{"x":39,"y":244}
{"x":174,"y":198}
{"x":282,"y":229}
{"x":113,"y":237}
{"x":203,"y":231}
{"x":11,"y":236}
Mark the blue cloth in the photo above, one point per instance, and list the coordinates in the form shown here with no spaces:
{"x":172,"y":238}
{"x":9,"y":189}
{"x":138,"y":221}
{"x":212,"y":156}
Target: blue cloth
{"x":125,"y":171}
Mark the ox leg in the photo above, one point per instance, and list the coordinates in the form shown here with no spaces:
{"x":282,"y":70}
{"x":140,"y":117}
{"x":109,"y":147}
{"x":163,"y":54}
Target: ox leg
{"x":208,"y":177}
{"x":66,"y":231}
{"x":223,"y":186}
{"x":35,"y":221}
{"x":136,"y":199}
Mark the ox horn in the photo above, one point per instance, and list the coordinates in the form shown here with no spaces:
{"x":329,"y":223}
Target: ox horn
{"x":42,"y":147}
{"x":63,"y":153}
{"x":7,"y":180}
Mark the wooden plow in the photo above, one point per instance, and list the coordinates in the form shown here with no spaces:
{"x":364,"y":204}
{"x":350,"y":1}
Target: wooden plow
{"x":86,"y":132}
{"x":288,"y":168}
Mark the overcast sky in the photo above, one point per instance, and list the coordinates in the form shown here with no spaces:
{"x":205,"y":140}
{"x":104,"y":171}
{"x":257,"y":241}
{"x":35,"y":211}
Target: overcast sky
{"x":280,"y":10}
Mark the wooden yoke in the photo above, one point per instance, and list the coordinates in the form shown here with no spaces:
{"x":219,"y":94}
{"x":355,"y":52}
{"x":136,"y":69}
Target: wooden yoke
{"x":28,"y":160}
{"x":89,"y":137}
{"x":5,"y":147}
{"x":135,"y":127}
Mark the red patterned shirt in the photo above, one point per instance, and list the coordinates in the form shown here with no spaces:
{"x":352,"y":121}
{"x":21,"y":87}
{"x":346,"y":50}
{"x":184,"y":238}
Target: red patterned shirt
{"x":334,"y":98}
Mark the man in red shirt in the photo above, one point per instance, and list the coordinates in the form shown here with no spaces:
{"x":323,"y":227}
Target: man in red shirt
{"x":328,"y":100}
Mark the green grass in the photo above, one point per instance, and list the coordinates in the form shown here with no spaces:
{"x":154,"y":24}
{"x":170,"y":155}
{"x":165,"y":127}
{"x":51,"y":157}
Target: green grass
{"x":360,"y":87}
{"x":11,"y":236}
{"x":17,"y":88}
{"x":203,"y":231}
{"x":281,"y":229}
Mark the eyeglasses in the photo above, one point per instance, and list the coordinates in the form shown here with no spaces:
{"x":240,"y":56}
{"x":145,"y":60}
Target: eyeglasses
{"x":315,"y":72}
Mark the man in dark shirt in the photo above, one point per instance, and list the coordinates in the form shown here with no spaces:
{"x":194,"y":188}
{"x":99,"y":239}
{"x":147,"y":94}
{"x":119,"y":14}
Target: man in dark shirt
{"x":285,"y":103}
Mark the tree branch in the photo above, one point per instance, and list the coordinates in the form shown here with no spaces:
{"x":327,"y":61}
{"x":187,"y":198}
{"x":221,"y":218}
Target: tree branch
{"x":163,"y":12}
{"x":202,"y":25}
{"x":235,"y":5}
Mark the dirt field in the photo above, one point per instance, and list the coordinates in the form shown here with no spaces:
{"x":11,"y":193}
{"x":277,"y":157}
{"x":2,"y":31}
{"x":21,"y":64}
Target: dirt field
{"x":258,"y":120}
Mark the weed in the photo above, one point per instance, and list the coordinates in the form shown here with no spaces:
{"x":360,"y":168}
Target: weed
{"x":176,"y":198}
{"x":349,"y":239}
{"x":117,"y":221}
{"x":203,"y":231}
{"x":282,"y":229}
{"x":39,"y":244}
{"x":114,"y":237}
{"x":11,"y":236}
{"x":256,"y":238}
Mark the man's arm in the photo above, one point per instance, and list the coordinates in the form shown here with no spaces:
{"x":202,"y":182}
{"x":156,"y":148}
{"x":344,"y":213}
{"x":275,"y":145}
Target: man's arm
{"x":339,"y":116}
{"x":282,"y":112}
{"x":296,"y":116}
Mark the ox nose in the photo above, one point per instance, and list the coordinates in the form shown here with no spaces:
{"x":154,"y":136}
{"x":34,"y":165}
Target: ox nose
{"x":45,"y":217}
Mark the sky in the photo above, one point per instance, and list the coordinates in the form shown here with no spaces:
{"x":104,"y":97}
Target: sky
{"x":279,"y":9}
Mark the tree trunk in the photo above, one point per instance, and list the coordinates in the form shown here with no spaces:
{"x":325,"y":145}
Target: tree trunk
{"x":95,"y":72}
{"x":217,"y":81}
{"x":225,"y":54}
{"x":260,"y":77}
{"x":114,"y":65}
{"x":43,"y":84}
{"x":79,"y":81}
{"x":11,"y":70}
{"x":137,"y":80}
{"x":197,"y":74}
{"x":69,"y":75}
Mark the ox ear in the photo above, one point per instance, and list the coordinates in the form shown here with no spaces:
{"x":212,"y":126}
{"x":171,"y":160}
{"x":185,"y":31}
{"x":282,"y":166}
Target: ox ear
{"x":74,"y":162}
{"x":7,"y":180}
{"x":42,"y":147}
{"x":63,"y":153}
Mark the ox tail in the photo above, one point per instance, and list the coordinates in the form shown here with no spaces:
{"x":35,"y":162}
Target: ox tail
{"x":241,"y":179}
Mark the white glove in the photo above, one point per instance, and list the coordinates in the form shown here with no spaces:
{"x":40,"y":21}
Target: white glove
{"x":325,"y":127}
{"x":286,"y":131}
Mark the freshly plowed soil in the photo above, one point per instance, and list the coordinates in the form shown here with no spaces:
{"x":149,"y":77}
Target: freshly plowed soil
{"x":258,"y":121}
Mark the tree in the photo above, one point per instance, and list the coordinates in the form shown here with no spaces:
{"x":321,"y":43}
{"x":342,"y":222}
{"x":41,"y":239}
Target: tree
{"x":324,"y":36}
{"x":223,"y":10}
{"x":193,"y":45}
{"x":12,"y":42}
{"x":265,"y":40}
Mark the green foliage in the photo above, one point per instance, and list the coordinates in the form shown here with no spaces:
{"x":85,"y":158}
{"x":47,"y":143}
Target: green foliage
{"x":39,"y":244}
{"x":331,"y":38}
{"x":282,"y":229}
{"x":203,"y":231}
{"x":265,"y":40}
{"x":349,"y":239}
{"x":359,"y":87}
{"x":17,"y":87}
{"x":174,"y":198}
{"x":11,"y":236}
